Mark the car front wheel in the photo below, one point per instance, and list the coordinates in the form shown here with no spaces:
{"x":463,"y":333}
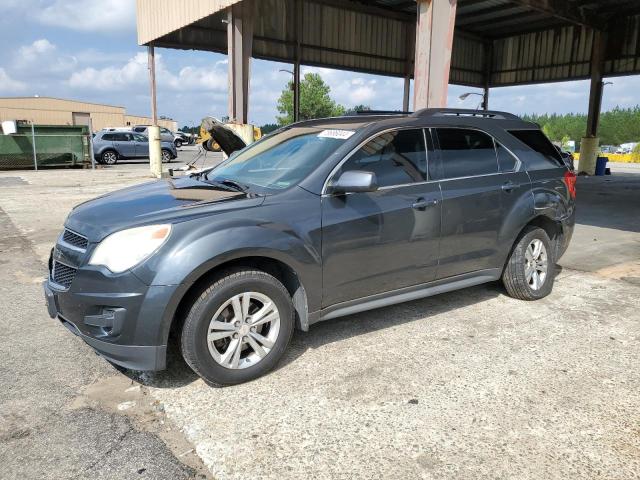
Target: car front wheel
{"x":178,"y":143}
{"x":530,"y":270}
{"x":109,"y":157}
{"x":238,"y":328}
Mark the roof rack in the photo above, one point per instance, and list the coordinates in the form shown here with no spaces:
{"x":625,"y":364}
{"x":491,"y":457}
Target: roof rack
{"x":463,"y":112}
{"x":376,"y":112}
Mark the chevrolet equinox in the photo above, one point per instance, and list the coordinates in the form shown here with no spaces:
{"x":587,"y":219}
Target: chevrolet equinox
{"x":321,"y":219}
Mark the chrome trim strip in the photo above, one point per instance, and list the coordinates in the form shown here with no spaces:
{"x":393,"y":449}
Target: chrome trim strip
{"x":68,"y":245}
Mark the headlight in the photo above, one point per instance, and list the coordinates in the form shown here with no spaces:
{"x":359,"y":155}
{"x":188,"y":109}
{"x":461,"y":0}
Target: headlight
{"x":123,"y":250}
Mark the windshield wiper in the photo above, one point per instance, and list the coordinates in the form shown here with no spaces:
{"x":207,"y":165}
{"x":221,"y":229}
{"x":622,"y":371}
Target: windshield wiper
{"x":235,"y":185}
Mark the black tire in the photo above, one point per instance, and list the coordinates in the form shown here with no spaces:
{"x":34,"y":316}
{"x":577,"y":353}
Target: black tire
{"x":109,"y":157}
{"x":166,"y":156}
{"x":514,"y":276}
{"x":193,"y":342}
{"x":178,"y":143}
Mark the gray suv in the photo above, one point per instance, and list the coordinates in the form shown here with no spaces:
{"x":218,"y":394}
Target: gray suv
{"x":318,"y":220}
{"x":111,"y":145}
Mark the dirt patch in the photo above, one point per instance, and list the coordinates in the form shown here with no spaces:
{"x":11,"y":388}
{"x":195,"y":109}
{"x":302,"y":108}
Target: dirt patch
{"x":119,"y":394}
{"x":628,"y":271}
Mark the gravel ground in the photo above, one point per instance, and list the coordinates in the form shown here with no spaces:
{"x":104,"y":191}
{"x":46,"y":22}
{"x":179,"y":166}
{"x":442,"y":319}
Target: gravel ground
{"x":466,"y":385}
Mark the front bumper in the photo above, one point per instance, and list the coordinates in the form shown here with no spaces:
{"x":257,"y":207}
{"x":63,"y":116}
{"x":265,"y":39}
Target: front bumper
{"x":125,"y":328}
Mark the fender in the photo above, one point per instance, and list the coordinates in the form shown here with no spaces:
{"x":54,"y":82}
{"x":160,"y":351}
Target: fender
{"x":198,"y":252}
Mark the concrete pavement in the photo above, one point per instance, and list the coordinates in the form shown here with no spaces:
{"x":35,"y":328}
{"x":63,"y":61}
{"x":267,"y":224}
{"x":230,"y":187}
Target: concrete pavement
{"x":470,"y":384}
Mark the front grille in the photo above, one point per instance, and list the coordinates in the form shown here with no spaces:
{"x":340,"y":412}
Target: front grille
{"x":63,"y":274}
{"x":74,"y":239}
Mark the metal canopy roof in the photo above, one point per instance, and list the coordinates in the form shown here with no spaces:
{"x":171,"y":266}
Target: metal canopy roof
{"x":498,"y":42}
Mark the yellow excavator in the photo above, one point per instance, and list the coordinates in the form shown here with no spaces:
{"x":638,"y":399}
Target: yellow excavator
{"x":216,"y":136}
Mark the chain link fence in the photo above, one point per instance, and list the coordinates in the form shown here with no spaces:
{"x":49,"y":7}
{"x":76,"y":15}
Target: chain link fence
{"x":45,"y":146}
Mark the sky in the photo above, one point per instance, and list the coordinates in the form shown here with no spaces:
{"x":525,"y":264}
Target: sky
{"x":87,"y":50}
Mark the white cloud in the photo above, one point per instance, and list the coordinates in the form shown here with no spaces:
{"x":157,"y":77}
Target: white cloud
{"x":88,"y":15}
{"x":42,"y":56}
{"x":196,"y":78}
{"x":134,"y":74}
{"x":37,"y":48}
{"x":9,"y":85}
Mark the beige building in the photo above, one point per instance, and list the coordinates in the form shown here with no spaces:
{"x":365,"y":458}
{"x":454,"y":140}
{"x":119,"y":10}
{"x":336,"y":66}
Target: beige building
{"x":57,"y":111}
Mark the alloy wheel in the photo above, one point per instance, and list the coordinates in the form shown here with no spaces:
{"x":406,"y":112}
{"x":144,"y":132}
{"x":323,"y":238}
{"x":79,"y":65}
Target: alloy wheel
{"x":536,"y":264}
{"x":243,"y":330}
{"x":109,"y":158}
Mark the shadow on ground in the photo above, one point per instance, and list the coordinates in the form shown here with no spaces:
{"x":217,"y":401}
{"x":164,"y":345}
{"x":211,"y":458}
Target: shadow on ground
{"x":178,"y":374}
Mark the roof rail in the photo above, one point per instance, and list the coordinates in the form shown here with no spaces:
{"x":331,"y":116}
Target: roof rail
{"x":463,"y":112}
{"x":376,"y":112}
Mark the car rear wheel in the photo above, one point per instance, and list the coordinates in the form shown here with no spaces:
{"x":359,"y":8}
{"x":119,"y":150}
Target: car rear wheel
{"x":178,"y":143}
{"x":530,"y":270}
{"x":166,"y":156}
{"x":238,"y":328}
{"x":109,"y":157}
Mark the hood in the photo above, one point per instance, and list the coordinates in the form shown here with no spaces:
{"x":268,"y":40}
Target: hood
{"x":228,"y":140}
{"x":155,"y":202}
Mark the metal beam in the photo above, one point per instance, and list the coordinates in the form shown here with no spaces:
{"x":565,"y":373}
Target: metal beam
{"x":595,"y":93}
{"x":434,"y":42}
{"x":565,"y":10}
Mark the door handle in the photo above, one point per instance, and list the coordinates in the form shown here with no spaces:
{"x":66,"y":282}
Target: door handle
{"x":422,"y":204}
{"x":509,"y":186}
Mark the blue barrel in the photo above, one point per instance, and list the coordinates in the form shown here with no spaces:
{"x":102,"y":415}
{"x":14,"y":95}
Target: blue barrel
{"x":601,"y":165}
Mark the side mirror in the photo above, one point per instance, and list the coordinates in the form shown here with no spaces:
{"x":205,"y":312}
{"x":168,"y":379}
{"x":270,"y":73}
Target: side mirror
{"x":354,"y":181}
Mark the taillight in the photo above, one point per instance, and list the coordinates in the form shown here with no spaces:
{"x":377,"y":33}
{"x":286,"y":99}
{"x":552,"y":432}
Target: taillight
{"x":570,"y":181}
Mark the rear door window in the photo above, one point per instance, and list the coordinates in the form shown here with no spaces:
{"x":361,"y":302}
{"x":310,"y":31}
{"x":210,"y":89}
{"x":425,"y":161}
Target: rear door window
{"x":121,"y":137}
{"x":465,"y":153}
{"x":397,"y":158}
{"x":537,"y":141}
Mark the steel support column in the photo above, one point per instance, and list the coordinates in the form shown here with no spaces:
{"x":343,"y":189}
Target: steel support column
{"x":296,"y":91}
{"x":589,"y":144}
{"x":434,"y":41}
{"x":155,"y":149}
{"x":488,"y":68}
{"x":296,"y":63}
{"x":406,"y":93}
{"x":239,"y":47}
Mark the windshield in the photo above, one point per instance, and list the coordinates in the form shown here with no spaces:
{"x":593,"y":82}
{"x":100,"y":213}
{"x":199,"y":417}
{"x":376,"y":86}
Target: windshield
{"x":282,"y":160}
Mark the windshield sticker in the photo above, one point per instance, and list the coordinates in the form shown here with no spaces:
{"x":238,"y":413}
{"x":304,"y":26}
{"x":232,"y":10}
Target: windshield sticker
{"x":339,"y":134}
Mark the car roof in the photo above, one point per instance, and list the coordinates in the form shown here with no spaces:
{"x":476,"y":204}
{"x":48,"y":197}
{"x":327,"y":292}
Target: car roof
{"x":427,"y":117}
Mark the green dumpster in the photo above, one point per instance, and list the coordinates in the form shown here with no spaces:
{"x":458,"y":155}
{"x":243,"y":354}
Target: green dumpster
{"x":55,"y":146}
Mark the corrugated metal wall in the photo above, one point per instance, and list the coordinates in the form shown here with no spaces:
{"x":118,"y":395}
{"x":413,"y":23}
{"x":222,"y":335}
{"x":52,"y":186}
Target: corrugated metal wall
{"x":546,"y":56}
{"x":564,"y":54}
{"x":330,"y":37}
{"x":156,"y":18}
{"x":351,"y":39}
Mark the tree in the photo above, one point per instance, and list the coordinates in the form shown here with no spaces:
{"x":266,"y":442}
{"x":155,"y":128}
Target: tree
{"x":359,"y":108}
{"x":268,"y":128}
{"x":315,"y":101}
